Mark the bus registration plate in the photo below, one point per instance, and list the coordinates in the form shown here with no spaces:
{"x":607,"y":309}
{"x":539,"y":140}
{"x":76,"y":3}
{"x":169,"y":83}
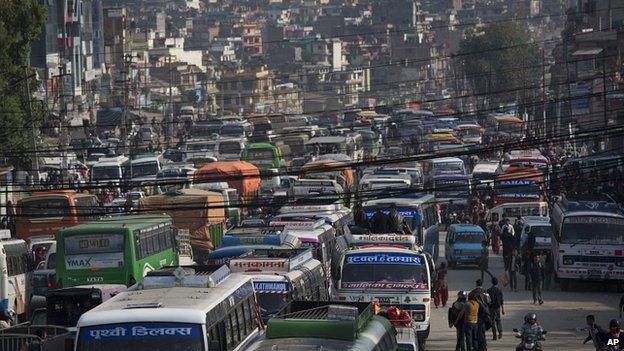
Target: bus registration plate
{"x":387,"y":299}
{"x":594,"y":273}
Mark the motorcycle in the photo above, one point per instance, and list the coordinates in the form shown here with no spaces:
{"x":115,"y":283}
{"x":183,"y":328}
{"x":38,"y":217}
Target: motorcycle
{"x":530,"y":342}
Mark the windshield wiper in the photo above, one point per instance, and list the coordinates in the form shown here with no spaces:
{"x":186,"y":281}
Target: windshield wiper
{"x":580,"y":241}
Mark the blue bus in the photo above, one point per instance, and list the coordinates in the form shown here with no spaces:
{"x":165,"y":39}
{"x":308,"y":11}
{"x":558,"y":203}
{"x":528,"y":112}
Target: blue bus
{"x":420,"y":213}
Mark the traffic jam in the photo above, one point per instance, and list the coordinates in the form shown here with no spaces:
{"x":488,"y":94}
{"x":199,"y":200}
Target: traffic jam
{"x":271,"y":235}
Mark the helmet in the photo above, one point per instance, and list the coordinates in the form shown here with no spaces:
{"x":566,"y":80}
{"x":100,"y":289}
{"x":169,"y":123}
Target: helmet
{"x":614,"y":323}
{"x":530,"y":317}
{"x":461,"y":293}
{"x":7,"y":315}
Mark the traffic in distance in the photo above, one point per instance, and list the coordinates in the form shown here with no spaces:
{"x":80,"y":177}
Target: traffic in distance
{"x":228,"y":256}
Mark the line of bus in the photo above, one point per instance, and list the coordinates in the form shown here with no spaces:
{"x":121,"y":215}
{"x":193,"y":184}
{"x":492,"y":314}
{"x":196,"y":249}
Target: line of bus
{"x":117,"y":250}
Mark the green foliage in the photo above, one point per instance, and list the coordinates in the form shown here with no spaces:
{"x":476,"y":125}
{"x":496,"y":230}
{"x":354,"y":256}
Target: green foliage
{"x":501,"y":60}
{"x":21,"y":22}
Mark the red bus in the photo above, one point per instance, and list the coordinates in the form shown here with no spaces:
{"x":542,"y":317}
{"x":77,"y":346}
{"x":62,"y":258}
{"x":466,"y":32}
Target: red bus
{"x":43,"y":213}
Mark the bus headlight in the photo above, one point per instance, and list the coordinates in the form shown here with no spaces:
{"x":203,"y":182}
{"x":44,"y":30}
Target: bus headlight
{"x":568,"y":261}
{"x":619,"y":263}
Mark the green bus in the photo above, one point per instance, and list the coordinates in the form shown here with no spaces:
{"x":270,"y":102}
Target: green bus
{"x":263,"y":155}
{"x":119,"y":250}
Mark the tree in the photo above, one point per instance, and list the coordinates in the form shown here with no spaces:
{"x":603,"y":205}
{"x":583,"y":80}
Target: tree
{"x":21,"y":22}
{"x":501,"y":61}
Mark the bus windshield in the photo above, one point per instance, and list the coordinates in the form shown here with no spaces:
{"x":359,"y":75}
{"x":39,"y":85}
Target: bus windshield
{"x":543,"y":231}
{"x":469,"y":237}
{"x":270,"y":303}
{"x":510,"y":128}
{"x":47,"y":207}
{"x":144,"y":336}
{"x":145,"y":169}
{"x":106,"y":173}
{"x":593,"y":229}
{"x":232,"y":147}
{"x":260,"y":154}
{"x":451,"y":188}
{"x":384,"y":271}
{"x":94,"y":251}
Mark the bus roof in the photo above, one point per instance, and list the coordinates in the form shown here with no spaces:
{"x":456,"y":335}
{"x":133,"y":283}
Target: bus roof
{"x":178,"y":304}
{"x":589,"y":206}
{"x":261,"y":146}
{"x":127,"y":222}
{"x":327,"y":320}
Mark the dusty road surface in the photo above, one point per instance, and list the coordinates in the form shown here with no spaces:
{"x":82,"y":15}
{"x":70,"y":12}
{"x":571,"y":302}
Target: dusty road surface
{"x":562,"y":314}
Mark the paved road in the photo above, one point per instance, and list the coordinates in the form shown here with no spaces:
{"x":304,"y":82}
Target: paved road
{"x":561,"y":314}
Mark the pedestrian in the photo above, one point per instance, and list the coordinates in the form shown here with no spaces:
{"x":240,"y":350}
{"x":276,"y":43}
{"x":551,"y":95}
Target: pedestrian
{"x":537,"y":278}
{"x":471,"y":317}
{"x":621,"y":305}
{"x":440,"y":295}
{"x":484,"y":322}
{"x":484,"y":260}
{"x":514,"y":267}
{"x":456,"y":319}
{"x":507,"y":238}
{"x":496,"y":308}
{"x":595,"y":333}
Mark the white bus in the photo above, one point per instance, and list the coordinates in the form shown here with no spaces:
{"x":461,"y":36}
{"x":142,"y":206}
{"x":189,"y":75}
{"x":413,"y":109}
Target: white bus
{"x":15,"y":282}
{"x":282,"y":275}
{"x":378,"y":268}
{"x":181,"y":309}
{"x":587,"y":245}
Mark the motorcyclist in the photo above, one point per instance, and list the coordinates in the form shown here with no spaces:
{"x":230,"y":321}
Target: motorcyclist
{"x":530,"y":328}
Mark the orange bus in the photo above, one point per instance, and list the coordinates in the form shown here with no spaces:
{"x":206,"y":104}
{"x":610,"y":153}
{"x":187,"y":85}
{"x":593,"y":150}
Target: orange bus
{"x":519,"y":184}
{"x":43,"y":213}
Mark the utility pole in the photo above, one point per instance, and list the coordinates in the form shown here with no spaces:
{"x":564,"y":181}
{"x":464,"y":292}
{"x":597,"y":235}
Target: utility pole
{"x":126,"y":92}
{"x":604,"y":92}
{"x":35,"y":156}
{"x":169,"y":118}
{"x":63,"y":128}
{"x":544,"y":90}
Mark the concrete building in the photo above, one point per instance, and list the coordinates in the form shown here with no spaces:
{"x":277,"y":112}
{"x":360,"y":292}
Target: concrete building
{"x":242,"y":90}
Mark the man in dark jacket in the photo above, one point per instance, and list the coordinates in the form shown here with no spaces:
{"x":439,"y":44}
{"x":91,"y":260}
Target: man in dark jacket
{"x":456,"y":319}
{"x":496,"y":308}
{"x":536,"y":272}
{"x":595,"y":333}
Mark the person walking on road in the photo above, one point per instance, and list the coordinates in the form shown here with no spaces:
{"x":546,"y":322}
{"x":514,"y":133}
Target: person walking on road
{"x":595,"y":333}
{"x":441,"y":291}
{"x":514,"y":267}
{"x":471,"y":317}
{"x":456,"y":319}
{"x":507,"y":238}
{"x":496,"y":308}
{"x":536,"y":273}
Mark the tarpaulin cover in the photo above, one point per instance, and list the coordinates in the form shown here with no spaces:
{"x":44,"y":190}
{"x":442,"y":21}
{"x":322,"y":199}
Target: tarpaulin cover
{"x":240,"y":175}
{"x":192,"y":209}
